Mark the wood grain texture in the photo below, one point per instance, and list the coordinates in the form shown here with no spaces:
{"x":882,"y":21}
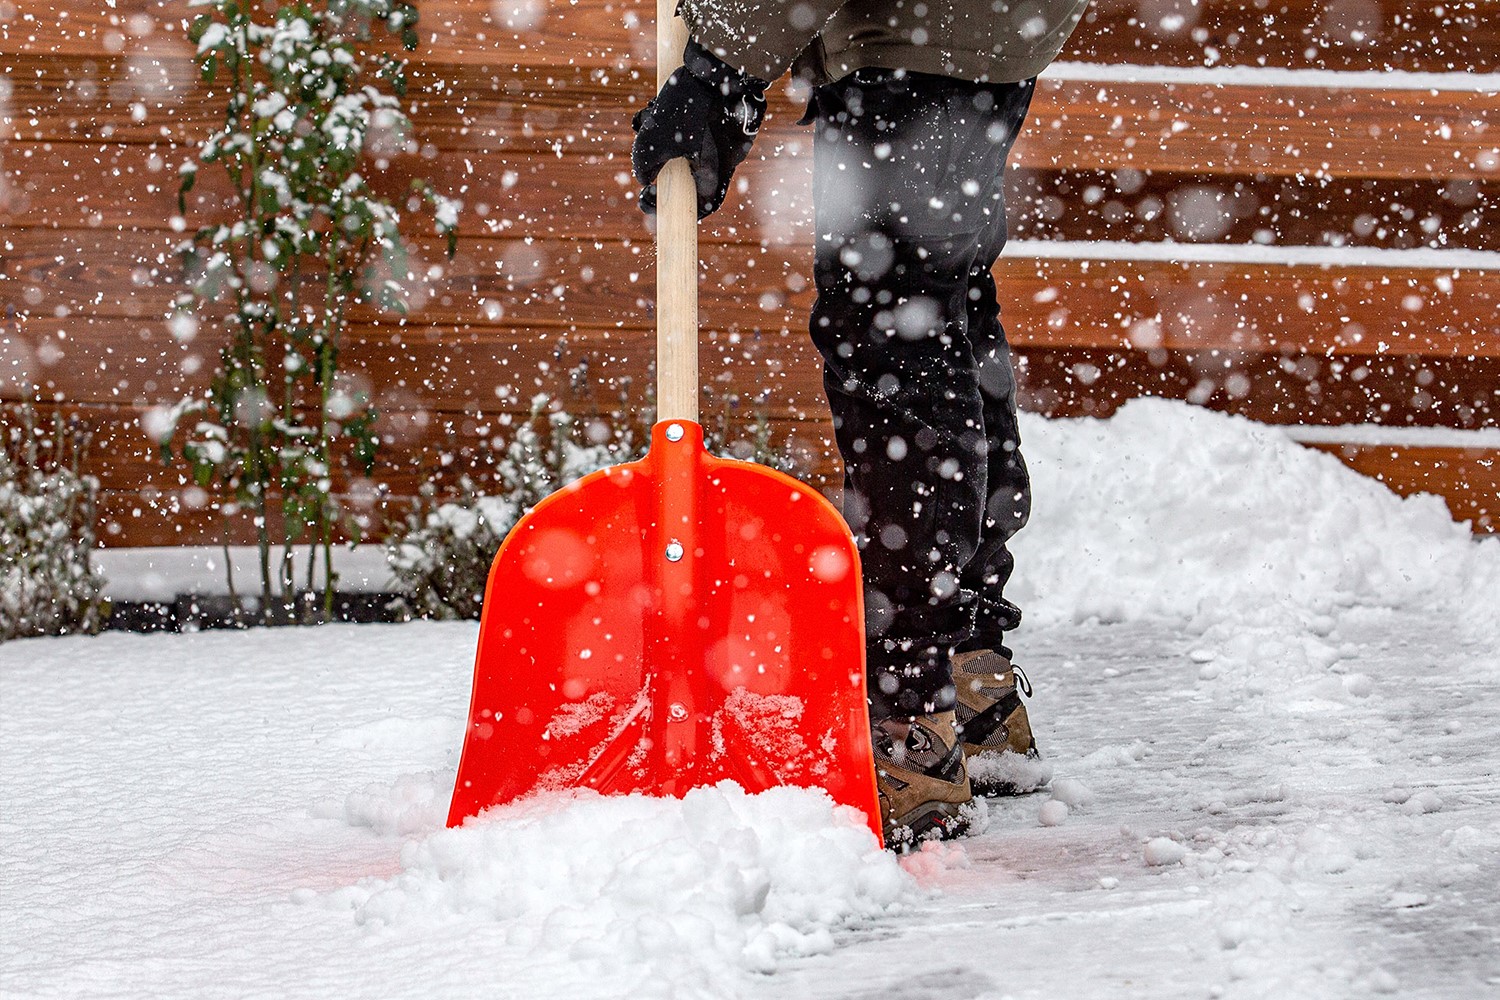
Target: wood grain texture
{"x":1467,"y":478}
{"x":1203,"y":128}
{"x":1429,"y":36}
{"x":586,"y":289}
{"x":53,"y":185}
{"x":417,"y":418}
{"x":144,"y":502}
{"x":528,"y":124}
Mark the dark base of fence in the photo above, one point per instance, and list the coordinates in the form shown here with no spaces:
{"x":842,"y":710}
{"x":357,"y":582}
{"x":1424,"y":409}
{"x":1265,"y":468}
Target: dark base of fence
{"x":196,"y":612}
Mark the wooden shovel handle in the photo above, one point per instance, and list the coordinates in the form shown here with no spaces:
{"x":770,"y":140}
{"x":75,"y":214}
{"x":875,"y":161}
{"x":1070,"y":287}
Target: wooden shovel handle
{"x":676,"y":253}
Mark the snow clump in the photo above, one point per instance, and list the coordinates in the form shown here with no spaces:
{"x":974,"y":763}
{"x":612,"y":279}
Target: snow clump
{"x":712,"y":885}
{"x":1162,"y":851}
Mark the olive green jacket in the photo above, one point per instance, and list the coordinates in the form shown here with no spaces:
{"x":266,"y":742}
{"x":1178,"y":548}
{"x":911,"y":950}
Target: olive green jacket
{"x":993,"y":41}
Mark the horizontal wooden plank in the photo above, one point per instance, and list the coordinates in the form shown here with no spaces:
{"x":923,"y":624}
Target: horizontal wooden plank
{"x":166,"y":513}
{"x":123,"y":361}
{"x":65,"y":278}
{"x":104,"y":185}
{"x":1315,"y":34}
{"x":1074,"y":124}
{"x":1467,"y":478}
{"x":1270,"y":388}
{"x":1263,"y":129}
{"x":1457,"y":34}
{"x":450,"y":423}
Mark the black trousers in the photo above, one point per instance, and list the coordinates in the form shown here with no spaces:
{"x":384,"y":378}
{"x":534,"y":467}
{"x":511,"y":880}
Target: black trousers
{"x":910,"y":213}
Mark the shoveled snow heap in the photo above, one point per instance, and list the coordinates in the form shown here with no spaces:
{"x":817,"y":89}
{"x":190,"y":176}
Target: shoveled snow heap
{"x":1167,"y":510}
{"x":708,"y":886}
{"x":1268,"y":688}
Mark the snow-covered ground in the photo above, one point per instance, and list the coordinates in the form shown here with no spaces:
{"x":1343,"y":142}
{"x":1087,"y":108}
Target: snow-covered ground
{"x":1269,"y":690}
{"x":162,"y":573}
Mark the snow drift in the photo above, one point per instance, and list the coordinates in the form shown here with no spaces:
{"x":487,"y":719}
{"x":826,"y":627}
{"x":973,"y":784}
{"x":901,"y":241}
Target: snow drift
{"x":1168,"y":510}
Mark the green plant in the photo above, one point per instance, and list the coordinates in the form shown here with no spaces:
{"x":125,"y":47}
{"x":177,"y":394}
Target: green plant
{"x":48,"y":584}
{"x":306,"y":98}
{"x":440,"y":556}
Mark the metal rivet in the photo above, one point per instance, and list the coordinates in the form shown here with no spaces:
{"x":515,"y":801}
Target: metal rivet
{"x":674,"y":432}
{"x":674,"y":551}
{"x":677,"y":711}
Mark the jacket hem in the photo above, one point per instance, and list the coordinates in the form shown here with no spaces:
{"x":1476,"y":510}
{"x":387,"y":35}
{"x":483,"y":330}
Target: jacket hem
{"x":975,"y":67}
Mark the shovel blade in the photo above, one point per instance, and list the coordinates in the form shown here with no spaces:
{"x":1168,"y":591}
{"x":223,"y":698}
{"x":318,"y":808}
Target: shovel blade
{"x":670,"y":623}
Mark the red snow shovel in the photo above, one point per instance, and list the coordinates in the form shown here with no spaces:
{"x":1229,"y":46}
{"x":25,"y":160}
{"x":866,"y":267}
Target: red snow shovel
{"x":676,"y":621}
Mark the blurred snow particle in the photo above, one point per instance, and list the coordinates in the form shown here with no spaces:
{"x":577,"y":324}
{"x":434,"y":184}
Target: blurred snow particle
{"x":517,"y":15}
{"x":524,"y":264}
{"x":184,"y":327}
{"x":945,"y":584}
{"x":1145,"y":334}
{"x":1129,"y":180}
{"x":917,"y":317}
{"x":1200,"y":212}
{"x":893,"y":537}
{"x":159,"y":423}
{"x":1086,"y":374}
{"x":830,"y":563}
{"x":803,"y":17}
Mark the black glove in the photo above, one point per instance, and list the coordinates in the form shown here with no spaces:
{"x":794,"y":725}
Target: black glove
{"x":707,"y":111}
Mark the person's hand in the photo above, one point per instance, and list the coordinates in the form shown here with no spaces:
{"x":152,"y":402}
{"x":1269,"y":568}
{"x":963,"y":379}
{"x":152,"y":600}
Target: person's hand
{"x":708,"y":112}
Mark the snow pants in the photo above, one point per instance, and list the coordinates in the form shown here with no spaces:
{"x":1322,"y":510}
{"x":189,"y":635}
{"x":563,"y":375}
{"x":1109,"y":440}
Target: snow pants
{"x":910,"y":218}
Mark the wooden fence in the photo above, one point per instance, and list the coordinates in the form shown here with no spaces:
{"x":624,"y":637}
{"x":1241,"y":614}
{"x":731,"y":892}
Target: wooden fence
{"x":1327,"y":174}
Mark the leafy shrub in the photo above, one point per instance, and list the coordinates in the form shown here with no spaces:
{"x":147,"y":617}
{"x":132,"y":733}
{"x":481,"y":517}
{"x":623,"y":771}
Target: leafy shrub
{"x":441,"y":555}
{"x":48,"y":584}
{"x":313,"y":101}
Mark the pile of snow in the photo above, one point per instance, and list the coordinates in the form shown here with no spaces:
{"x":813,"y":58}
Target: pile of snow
{"x":1166,"y":510}
{"x":709,"y":886}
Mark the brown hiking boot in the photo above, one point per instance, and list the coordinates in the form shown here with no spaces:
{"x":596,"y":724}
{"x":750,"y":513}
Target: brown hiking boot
{"x":919,"y":772}
{"x":997,"y":740}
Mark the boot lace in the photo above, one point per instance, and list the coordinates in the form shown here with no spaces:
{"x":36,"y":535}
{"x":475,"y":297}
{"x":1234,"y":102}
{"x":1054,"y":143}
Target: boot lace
{"x":1023,"y":683}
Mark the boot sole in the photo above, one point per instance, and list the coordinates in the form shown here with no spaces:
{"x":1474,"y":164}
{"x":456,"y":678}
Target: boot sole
{"x":928,"y":821}
{"x":997,"y":787}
